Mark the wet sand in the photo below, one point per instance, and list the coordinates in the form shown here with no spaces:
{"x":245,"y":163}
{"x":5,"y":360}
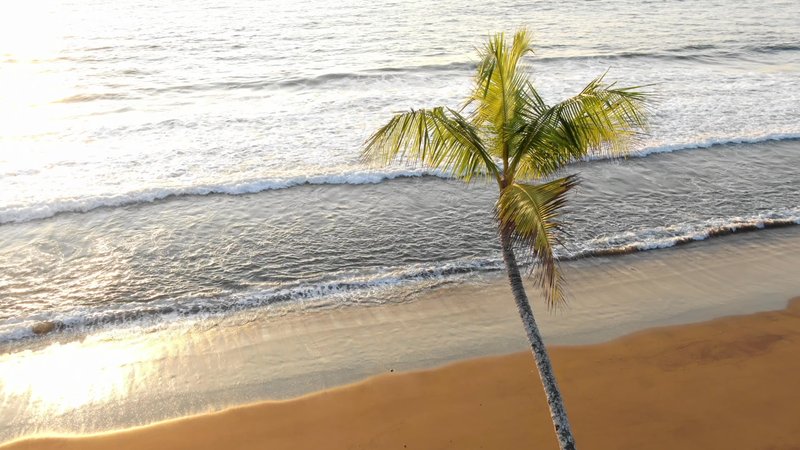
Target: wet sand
{"x":726,"y":383}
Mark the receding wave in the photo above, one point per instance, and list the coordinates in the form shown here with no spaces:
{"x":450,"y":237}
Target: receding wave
{"x":314,"y":295}
{"x":341,"y":290}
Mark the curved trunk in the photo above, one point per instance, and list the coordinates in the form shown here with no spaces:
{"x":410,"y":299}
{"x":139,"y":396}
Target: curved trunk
{"x":557,"y":411}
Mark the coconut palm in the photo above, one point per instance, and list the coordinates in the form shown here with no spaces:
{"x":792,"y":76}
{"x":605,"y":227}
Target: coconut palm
{"x":507,"y":133}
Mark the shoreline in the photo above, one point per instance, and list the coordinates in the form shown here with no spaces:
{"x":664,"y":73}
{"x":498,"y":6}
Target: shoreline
{"x":724,"y":383}
{"x":49,"y":331}
{"x":43,"y":329}
{"x":120,"y":380}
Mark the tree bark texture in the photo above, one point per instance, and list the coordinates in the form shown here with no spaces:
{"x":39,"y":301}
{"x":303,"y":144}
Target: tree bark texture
{"x":557,"y":411}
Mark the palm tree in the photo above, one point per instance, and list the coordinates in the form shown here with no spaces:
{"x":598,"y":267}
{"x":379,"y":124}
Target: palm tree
{"x":507,"y":133}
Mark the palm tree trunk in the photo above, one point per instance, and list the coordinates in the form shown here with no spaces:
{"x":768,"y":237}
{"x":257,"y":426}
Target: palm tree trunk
{"x":557,"y":411}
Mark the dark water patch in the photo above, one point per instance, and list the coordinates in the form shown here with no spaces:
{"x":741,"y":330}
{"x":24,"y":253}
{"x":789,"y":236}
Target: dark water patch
{"x":316,"y":80}
{"x":774,"y":48}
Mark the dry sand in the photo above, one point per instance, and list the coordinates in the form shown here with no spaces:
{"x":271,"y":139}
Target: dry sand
{"x":729,"y":383}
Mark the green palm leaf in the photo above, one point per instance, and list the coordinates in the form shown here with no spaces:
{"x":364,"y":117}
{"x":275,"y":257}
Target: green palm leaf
{"x":438,"y":137}
{"x":601,"y":118}
{"x":530,"y":214}
{"x":498,"y":96}
{"x":511,"y":134}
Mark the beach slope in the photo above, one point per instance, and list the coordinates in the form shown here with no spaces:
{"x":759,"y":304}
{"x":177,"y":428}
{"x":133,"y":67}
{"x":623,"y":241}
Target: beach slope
{"x":726,"y":383}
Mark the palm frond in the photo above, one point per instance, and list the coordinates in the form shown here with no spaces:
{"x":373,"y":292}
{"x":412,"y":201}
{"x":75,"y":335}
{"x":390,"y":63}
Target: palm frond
{"x":498,"y":94}
{"x":512,"y":135}
{"x":530,"y":213}
{"x":438,"y":138}
{"x":601,"y":117}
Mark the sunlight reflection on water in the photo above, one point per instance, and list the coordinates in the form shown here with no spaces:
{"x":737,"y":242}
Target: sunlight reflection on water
{"x":63,"y":377}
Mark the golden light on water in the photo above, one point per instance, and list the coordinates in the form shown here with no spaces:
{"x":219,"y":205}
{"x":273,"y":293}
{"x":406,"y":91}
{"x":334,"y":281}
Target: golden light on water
{"x":30,"y":32}
{"x":64,"y":377}
{"x":24,"y":94}
{"x":29,"y":29}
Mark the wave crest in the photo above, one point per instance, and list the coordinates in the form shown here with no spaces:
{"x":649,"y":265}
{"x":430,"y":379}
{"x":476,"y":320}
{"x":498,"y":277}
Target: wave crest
{"x":43,"y":210}
{"x":36,"y":211}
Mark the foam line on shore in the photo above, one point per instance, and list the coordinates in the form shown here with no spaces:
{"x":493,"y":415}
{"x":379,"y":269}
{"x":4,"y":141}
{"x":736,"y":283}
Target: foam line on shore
{"x":661,"y":379}
{"x":350,"y":288}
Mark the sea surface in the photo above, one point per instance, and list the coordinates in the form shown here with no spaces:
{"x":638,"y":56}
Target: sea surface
{"x":163,"y":162}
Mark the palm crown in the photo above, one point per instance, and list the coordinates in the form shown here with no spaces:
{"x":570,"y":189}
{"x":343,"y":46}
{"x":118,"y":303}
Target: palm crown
{"x":506,"y":132}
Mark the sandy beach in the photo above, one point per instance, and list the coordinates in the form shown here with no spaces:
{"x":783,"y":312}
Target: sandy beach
{"x":238,"y":224}
{"x":726,"y":383}
{"x":121,"y":380}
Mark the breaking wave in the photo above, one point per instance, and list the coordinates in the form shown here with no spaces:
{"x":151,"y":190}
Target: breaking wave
{"x":43,"y":210}
{"x":25,"y":213}
{"x":341,"y":290}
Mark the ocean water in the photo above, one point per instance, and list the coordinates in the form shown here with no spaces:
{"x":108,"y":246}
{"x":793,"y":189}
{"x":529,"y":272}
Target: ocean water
{"x":171,"y":161}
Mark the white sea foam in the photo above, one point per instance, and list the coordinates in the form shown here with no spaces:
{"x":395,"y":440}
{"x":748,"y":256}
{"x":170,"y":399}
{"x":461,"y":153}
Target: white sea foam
{"x":713,"y":142}
{"x":672,"y":235}
{"x":352,"y":288}
{"x":343,"y":290}
{"x":43,"y":210}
